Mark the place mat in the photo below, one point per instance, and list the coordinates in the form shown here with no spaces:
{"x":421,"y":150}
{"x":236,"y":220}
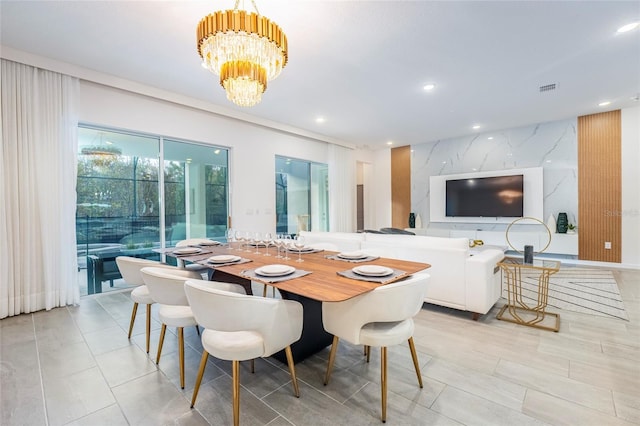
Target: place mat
{"x":364,"y":259}
{"x":296,"y":251}
{"x":251,"y":274}
{"x":218,"y":265}
{"x":382,"y":280}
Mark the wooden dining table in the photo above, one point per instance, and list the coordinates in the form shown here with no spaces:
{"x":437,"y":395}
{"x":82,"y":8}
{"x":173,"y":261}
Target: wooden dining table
{"x":322,"y":284}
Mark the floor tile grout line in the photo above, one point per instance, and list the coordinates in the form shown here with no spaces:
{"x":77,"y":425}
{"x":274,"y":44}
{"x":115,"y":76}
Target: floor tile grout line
{"x":44,"y":400}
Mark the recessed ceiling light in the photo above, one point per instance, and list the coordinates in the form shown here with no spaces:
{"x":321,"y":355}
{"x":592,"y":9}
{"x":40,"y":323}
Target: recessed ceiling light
{"x":490,"y":138}
{"x":320,"y":120}
{"x":475,"y":127}
{"x":605,"y":103}
{"x":429,"y":87}
{"x":389,"y":142}
{"x":629,"y":27}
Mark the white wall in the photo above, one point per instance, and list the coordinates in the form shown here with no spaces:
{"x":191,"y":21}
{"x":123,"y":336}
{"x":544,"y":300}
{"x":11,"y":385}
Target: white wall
{"x":631,"y":187}
{"x":253,"y":148}
{"x":552,"y":146}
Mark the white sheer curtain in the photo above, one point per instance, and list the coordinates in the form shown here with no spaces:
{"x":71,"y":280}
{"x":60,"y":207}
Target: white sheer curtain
{"x":37,"y":190}
{"x":342,"y":189}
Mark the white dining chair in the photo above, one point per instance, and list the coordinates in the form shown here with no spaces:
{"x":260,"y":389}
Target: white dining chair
{"x":379,"y":318}
{"x":166,"y":287}
{"x":130,"y":270}
{"x":239,"y":327}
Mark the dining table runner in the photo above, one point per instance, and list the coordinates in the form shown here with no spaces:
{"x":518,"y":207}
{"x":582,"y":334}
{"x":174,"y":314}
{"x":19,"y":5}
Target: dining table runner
{"x":374,"y":279}
{"x":251,"y":274}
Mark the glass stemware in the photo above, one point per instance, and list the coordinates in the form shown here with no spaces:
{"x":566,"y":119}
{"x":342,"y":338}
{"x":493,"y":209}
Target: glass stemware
{"x":268,"y":240}
{"x":230,"y":234}
{"x":257,"y":240}
{"x":248,"y":237}
{"x":286,"y":243}
{"x":299,"y":243}
{"x":239,"y":238}
{"x":278,"y":241}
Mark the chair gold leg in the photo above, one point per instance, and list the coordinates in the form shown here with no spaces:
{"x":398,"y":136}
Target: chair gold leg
{"x":414,"y":356}
{"x":383,"y":381}
{"x":264,"y":291}
{"x":161,"y":342}
{"x":332,"y":358}
{"x":134,"y":311}
{"x":236,"y":392}
{"x":148,"y":326}
{"x":292,"y":371}
{"x":181,"y":354}
{"x":203,"y":364}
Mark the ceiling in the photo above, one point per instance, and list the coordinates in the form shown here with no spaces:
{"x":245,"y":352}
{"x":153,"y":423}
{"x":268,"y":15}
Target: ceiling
{"x":362,"y":65}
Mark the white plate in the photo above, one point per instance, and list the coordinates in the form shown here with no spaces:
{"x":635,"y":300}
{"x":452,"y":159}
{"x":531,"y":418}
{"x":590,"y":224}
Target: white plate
{"x":301,"y":250}
{"x":210,"y":243}
{"x":223,"y":258}
{"x":352,"y":255}
{"x":373,"y":270}
{"x":187,"y":250}
{"x":275,"y":270}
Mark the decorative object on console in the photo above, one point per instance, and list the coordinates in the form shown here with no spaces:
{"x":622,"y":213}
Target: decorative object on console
{"x":412,"y":220}
{"x":562,"y":223}
{"x":474,"y":243}
{"x":551,"y":223}
{"x":571,"y":228}
{"x":525,"y":254}
{"x":418,"y":221}
{"x":245,"y":49}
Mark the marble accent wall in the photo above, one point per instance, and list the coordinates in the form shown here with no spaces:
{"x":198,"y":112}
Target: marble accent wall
{"x":552,"y":146}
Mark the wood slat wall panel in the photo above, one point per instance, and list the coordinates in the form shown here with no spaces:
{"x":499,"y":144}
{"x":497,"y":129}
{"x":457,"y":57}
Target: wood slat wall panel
{"x":400,"y":186}
{"x":600,"y":187}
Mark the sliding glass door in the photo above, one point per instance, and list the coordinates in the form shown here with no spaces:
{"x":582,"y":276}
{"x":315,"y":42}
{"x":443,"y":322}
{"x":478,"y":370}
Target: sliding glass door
{"x":195,"y":191}
{"x":139,"y":192}
{"x":301,"y":196}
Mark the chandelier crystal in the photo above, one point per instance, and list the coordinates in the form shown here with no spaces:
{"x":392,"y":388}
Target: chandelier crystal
{"x":245,"y":49}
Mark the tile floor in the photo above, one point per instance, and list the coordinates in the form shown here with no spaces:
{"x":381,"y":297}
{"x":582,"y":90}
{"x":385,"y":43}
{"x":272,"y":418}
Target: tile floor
{"x":75,"y":366}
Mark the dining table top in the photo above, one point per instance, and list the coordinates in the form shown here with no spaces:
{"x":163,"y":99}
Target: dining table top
{"x":323,"y":282}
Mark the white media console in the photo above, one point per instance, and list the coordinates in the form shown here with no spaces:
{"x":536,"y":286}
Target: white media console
{"x":562,"y":244}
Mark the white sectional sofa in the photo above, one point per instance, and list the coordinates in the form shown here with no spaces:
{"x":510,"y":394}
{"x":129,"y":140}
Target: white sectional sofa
{"x":459,"y":279}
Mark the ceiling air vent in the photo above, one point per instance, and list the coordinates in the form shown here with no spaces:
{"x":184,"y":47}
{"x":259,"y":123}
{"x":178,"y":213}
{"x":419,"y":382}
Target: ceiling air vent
{"x":547,"y":87}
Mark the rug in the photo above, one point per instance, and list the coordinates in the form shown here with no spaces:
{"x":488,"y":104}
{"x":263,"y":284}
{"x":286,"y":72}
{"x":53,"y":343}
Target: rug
{"x":589,"y":291}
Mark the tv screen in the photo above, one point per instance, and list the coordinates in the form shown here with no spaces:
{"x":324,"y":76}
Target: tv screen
{"x":497,"y":196}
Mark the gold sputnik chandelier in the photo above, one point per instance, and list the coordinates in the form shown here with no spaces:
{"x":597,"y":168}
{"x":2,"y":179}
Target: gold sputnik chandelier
{"x":245,"y":49}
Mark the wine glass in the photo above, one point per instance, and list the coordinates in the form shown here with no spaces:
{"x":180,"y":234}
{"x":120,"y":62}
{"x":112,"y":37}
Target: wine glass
{"x":239,"y":238}
{"x":248,"y":237}
{"x":268,"y":240}
{"x":257,"y":240}
{"x":278,"y":241}
{"x":286,"y":243}
{"x":230,"y":234}
{"x":299,"y":243}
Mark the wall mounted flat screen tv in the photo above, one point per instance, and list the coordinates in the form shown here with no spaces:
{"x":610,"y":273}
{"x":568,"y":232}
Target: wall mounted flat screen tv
{"x":497,"y":196}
